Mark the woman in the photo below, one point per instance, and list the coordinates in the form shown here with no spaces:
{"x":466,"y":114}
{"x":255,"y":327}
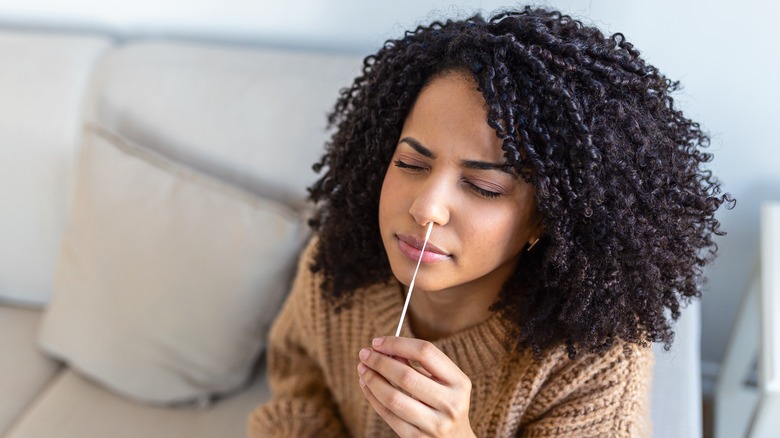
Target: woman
{"x":571,"y":213}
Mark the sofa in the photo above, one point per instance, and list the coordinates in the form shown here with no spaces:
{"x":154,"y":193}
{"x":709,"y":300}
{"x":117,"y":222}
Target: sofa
{"x":153,"y":206}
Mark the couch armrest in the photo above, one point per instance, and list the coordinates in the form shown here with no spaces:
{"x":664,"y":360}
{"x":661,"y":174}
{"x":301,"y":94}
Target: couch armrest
{"x":676,"y":396}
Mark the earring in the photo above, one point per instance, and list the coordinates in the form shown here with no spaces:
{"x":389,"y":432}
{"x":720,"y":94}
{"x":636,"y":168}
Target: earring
{"x":532,"y":244}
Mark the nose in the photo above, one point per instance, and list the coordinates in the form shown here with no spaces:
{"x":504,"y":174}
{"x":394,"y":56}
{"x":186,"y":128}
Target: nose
{"x":432,"y":203}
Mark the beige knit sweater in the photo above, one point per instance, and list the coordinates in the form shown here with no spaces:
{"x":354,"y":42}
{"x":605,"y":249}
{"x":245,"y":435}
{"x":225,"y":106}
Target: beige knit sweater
{"x":313,"y":357}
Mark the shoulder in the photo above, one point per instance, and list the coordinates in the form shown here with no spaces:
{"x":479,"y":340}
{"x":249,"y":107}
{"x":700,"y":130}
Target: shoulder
{"x":613,"y":385}
{"x":624,"y":370}
{"x":304,"y":293}
{"x":307,"y":255}
{"x":623,"y":362}
{"x":593,"y":394}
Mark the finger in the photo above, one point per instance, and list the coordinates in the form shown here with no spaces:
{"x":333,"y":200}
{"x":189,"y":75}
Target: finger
{"x":394,"y":400}
{"x":430,"y":358}
{"x":403,"y":376}
{"x":401,"y":427}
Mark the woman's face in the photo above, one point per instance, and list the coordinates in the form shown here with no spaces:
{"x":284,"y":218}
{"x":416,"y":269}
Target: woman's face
{"x":448,"y":168}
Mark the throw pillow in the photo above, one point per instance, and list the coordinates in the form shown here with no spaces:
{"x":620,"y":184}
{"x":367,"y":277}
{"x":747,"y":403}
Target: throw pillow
{"x":168,"y":279}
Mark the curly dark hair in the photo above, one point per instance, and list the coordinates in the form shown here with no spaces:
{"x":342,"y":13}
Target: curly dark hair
{"x":626,"y":204}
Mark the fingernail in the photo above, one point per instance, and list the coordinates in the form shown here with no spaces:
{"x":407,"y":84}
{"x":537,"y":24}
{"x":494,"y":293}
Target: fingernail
{"x":362,"y":369}
{"x":378,"y":341}
{"x":364,"y":353}
{"x":362,"y":383}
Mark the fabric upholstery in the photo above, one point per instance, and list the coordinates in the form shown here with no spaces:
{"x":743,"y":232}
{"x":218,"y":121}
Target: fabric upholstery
{"x":255,"y":118}
{"x":24,"y":371}
{"x":76,"y":407}
{"x":676,"y":407}
{"x":42,"y":84}
{"x":168,"y":279}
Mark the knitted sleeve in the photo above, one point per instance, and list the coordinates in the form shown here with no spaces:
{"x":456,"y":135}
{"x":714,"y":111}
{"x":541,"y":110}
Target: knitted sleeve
{"x":598,"y":396}
{"x":302,"y":405}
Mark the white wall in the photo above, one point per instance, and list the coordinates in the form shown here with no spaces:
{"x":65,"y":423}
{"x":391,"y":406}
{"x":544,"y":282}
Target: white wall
{"x":725,"y":53}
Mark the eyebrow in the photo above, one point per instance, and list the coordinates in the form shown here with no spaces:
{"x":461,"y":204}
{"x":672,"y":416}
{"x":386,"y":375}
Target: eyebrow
{"x":483,"y":165}
{"x":469,"y":164}
{"x":416,"y":145}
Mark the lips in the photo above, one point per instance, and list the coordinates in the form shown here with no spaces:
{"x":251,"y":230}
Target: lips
{"x":411,"y":247}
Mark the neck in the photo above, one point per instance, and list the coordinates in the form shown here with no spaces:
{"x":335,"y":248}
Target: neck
{"x":436,"y":315}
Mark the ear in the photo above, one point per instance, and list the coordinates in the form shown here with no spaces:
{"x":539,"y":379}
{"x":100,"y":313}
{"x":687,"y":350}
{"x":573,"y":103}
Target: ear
{"x":537,"y":234}
{"x":532,"y":242}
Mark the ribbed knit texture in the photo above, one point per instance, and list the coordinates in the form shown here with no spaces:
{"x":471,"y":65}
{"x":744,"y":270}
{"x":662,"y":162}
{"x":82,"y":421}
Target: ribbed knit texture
{"x":313,"y":358}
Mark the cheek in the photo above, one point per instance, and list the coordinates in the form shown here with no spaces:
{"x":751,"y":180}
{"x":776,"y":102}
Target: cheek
{"x":498,"y":222}
{"x":503,"y":231}
{"x":388,"y":197}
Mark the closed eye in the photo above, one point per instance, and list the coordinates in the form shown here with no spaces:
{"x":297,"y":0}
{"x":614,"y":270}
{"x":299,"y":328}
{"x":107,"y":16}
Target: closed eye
{"x":471,"y":186}
{"x":409,"y":167}
{"x":482,"y":192}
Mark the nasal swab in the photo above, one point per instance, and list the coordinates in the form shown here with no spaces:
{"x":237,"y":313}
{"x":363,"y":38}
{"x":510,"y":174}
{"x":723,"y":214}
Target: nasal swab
{"x":411,"y":285}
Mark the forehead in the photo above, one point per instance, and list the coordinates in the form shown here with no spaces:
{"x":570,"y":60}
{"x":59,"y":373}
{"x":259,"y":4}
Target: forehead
{"x":450,"y":114}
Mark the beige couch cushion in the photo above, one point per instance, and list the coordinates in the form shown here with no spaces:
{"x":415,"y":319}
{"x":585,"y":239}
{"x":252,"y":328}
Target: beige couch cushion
{"x":75,"y":407}
{"x":168,"y":279}
{"x":24,"y":371}
{"x":42,"y":84}
{"x":251,"y":116}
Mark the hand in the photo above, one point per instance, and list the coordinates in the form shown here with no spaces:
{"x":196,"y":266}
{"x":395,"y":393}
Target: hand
{"x":431,"y":401}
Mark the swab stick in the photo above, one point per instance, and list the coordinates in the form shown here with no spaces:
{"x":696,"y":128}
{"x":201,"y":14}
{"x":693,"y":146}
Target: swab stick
{"x":411,"y":285}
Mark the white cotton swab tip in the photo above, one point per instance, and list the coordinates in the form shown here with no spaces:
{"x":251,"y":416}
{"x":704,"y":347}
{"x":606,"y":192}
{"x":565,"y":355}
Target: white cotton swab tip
{"x":414,"y":276}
